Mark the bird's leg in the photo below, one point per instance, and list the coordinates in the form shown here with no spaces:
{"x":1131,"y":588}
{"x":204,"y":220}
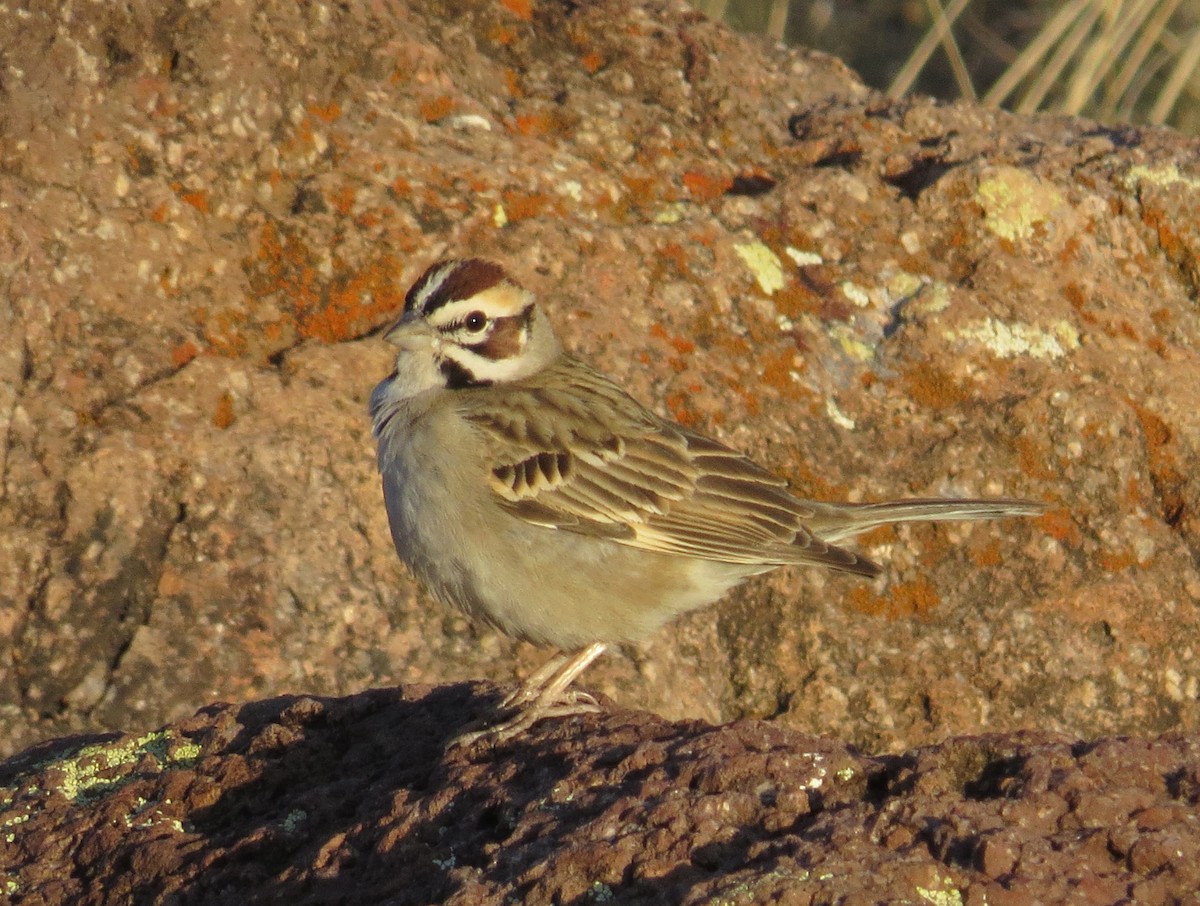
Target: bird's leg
{"x":550,"y":683}
{"x":529,"y":689}
{"x":545,"y":694}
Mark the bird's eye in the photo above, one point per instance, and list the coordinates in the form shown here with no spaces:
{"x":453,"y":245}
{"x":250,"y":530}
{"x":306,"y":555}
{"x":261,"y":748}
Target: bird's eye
{"x":475,"y":321}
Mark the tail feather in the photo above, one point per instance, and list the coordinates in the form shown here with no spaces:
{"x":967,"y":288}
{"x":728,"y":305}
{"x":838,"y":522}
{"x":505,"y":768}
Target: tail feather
{"x":837,"y":522}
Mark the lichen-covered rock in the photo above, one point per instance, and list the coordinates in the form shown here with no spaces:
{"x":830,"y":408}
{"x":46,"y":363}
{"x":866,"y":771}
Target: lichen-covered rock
{"x":208,"y":208}
{"x":355,"y":800}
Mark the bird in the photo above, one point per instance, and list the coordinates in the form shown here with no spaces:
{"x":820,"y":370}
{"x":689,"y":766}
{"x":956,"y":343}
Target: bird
{"x":534,"y":494}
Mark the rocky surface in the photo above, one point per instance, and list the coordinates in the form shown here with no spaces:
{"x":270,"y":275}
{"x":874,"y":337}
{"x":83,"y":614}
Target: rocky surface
{"x":208,"y":210}
{"x":355,"y":800}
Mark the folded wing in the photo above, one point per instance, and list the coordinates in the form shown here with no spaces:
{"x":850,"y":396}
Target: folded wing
{"x":575,"y":453}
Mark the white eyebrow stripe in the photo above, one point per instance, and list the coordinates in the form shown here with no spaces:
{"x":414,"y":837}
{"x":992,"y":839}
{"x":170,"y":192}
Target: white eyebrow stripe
{"x":503,"y":300}
{"x":433,"y":285}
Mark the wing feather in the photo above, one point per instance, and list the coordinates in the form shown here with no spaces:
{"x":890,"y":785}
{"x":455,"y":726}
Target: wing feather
{"x":573,"y":451}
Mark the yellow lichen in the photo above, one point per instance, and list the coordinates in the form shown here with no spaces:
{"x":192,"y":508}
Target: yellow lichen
{"x":850,"y":344}
{"x":947,"y":895}
{"x":1158,"y":176}
{"x":763,"y":263}
{"x":1008,"y":341}
{"x":82,"y":772}
{"x":1015,"y":201}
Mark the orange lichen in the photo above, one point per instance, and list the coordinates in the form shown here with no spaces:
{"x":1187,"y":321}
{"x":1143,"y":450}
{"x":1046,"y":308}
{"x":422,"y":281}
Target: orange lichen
{"x":284,"y":270}
{"x":371,"y":218}
{"x":679,"y":404}
{"x":1035,"y":460}
{"x":642,"y":189}
{"x":512,"y":81}
{"x":703,"y":187}
{"x":934,"y":388}
{"x":751,"y":401}
{"x":437,"y":108}
{"x":795,"y":299}
{"x":986,"y":555}
{"x":284,"y":265}
{"x":223,"y":415}
{"x":1059,"y":525}
{"x":876,"y":537}
{"x":503,"y":35}
{"x":1169,"y":480}
{"x":672,"y":257}
{"x":327,"y":112}
{"x":1070,"y":250}
{"x":303,"y":139}
{"x":1074,"y":294}
{"x":1169,"y":239}
{"x":776,"y":367}
{"x":593,"y":61}
{"x":354,"y":302}
{"x":184,"y":353}
{"x":1122,"y":328}
{"x":1116,"y":561}
{"x":523,"y":205}
{"x":197,"y":199}
{"x":681,"y":345}
{"x":534,"y":123}
{"x":917,"y":598}
{"x":522,"y":9}
{"x":1157,"y":432}
{"x":343,"y":200}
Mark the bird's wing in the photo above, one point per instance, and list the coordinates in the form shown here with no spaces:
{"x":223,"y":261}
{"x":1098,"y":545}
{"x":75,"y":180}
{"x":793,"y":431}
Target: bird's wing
{"x":573,"y":451}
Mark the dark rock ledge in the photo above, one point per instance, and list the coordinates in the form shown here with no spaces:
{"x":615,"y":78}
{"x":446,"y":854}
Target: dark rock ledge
{"x":356,"y":800}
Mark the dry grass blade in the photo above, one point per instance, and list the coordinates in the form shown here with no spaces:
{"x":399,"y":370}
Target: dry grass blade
{"x":1029,"y":59}
{"x":938,"y":33}
{"x":1112,"y":59}
{"x":777,"y":20}
{"x":1053,"y":68}
{"x":1122,"y":22}
{"x":1178,"y":79}
{"x":1135,"y":61}
{"x":962,"y":76}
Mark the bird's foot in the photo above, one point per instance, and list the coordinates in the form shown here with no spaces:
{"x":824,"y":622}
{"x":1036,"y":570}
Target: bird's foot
{"x":545,"y":694}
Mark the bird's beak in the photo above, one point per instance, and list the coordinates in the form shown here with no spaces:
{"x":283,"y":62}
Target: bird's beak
{"x":410,"y":333}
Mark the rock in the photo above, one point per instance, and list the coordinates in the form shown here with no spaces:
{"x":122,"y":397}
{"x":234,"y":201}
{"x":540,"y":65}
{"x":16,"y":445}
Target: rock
{"x":323,"y":800}
{"x":209,"y":210}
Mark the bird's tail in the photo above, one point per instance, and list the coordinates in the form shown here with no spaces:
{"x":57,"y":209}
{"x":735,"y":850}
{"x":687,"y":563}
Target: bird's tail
{"x":841,"y":521}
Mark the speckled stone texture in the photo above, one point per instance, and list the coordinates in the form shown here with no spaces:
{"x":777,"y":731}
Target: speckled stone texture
{"x":322,"y":801}
{"x":207,"y":210}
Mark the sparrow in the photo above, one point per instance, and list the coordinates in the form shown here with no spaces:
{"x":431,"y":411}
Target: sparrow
{"x":537,"y":496}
